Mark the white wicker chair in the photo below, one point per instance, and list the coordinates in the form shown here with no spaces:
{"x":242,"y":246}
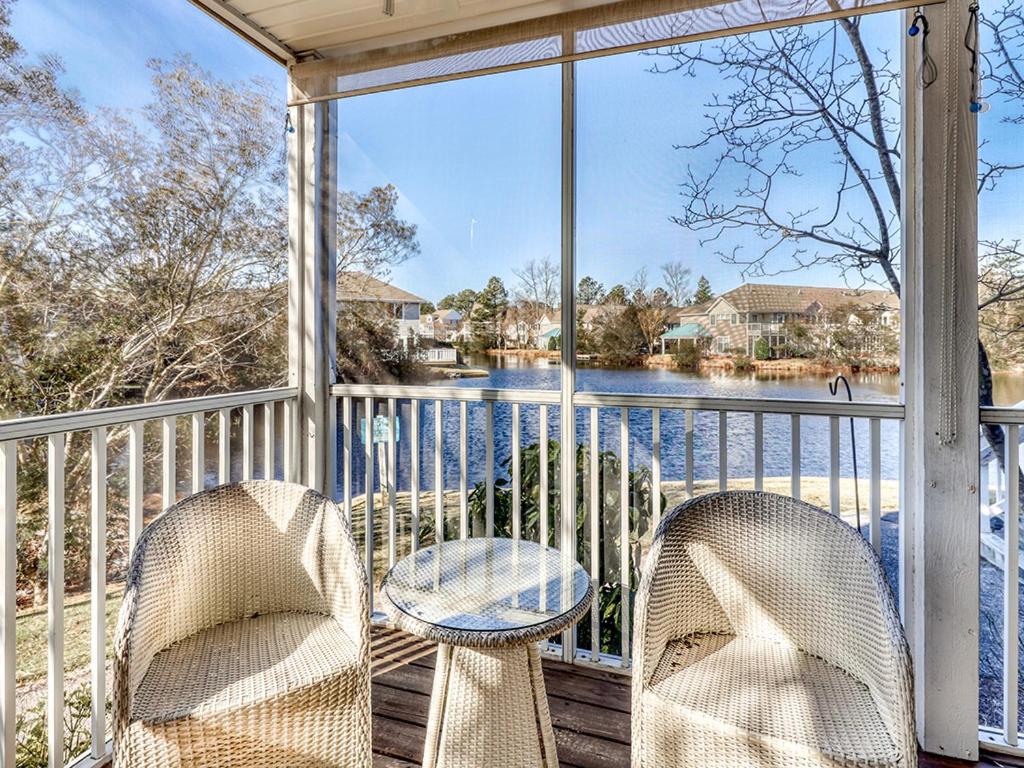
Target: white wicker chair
{"x":244,"y":638}
{"x":766,"y":636}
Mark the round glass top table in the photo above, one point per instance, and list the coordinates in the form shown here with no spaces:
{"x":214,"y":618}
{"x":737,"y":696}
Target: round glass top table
{"x":487,"y":603}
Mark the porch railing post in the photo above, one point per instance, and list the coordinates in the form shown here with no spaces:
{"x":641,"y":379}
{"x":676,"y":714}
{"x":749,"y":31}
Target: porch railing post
{"x":312,"y":276}
{"x":940,"y":472}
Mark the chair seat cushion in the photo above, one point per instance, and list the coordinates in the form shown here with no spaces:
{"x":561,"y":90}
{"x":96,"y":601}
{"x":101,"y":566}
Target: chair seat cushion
{"x":766,"y":692}
{"x":240,"y":663}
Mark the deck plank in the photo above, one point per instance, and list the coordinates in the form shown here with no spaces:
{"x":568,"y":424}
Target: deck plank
{"x":589,"y":711}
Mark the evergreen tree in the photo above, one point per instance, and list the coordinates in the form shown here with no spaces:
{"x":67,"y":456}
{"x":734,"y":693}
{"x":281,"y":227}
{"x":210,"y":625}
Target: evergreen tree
{"x":488,"y":313}
{"x":461,"y":302}
{"x":703,"y":292}
{"x":589,"y":291}
{"x":617,"y":295}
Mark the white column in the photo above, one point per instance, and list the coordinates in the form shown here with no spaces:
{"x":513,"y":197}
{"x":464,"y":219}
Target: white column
{"x":940,"y":520}
{"x":312,"y":246}
{"x":567,"y":420}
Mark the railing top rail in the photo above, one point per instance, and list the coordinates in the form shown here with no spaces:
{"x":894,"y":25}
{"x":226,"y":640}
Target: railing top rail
{"x":1002,"y":415}
{"x":881,"y":410}
{"x":41,"y":426}
{"x":863,"y":409}
{"x":468,"y":394}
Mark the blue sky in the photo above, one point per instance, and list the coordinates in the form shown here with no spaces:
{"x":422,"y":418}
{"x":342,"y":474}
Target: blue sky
{"x":476,"y":161}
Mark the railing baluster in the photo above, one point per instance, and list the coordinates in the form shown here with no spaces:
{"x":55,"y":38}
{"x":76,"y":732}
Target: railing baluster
{"x":136,"y":440}
{"x":833,"y":470}
{"x":346,"y":491}
{"x":463,"y":470}
{"x":224,"y":446}
{"x":391,"y":481}
{"x":331,"y":449}
{"x":489,"y":468}
{"x":55,"y":602}
{"x":875,"y":530}
{"x":595,"y":533}
{"x":759,"y":451}
{"x":98,"y":589}
{"x":438,"y":471}
{"x":368,"y":496}
{"x":168,"y":459}
{"x":624,"y":546}
{"x":198,"y":451}
{"x":542,"y":439}
{"x":269,"y":440}
{"x":794,"y":475}
{"x":248,"y":442}
{"x":1011,"y":586}
{"x":689,"y":454}
{"x":9,"y":509}
{"x":414,"y":471}
{"x":655,"y":466}
{"x":723,"y":450}
{"x":290,"y":427}
{"x":517,"y":478}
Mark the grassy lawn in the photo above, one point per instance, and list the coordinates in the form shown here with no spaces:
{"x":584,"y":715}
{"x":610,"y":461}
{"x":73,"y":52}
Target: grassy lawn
{"x":30,"y":650}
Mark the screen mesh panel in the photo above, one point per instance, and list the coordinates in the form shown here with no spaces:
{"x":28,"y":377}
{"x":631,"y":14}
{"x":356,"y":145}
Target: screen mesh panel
{"x":596,"y":31}
{"x":446,"y":67}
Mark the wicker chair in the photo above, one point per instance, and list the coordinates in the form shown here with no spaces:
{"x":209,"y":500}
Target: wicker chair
{"x":766,"y":636}
{"x":244,"y":638}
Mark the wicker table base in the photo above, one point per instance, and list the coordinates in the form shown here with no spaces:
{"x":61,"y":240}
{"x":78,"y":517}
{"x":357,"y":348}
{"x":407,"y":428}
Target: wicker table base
{"x":489,"y":708}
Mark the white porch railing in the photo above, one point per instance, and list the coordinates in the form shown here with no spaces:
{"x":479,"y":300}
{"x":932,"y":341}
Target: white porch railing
{"x":435,"y":482}
{"x":103,"y":426}
{"x":1004,"y":551}
{"x":440,"y":436}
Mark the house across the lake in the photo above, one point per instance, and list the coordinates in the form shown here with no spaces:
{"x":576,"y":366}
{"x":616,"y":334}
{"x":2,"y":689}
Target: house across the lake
{"x":395,"y":303}
{"x":736,"y":321}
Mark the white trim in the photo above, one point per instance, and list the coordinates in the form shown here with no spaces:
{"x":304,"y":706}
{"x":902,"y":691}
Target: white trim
{"x":241,"y":25}
{"x":80,"y":421}
{"x":941,"y":478}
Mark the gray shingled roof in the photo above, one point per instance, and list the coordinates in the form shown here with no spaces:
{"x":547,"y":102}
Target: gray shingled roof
{"x":761,"y":298}
{"x":359,"y":286}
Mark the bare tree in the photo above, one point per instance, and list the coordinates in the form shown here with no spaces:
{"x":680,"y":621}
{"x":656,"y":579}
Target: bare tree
{"x":651,"y":309}
{"x":371,"y":236}
{"x":537,"y":289}
{"x":676,"y":276}
{"x":796,"y":96}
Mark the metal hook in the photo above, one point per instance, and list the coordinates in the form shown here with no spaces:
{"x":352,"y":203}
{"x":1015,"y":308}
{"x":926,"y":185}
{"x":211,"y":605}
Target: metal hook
{"x":833,"y":388}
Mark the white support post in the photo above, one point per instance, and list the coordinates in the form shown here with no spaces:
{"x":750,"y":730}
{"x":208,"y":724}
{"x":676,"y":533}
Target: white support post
{"x":312,"y":278}
{"x":940,"y":279}
{"x":567,"y":409}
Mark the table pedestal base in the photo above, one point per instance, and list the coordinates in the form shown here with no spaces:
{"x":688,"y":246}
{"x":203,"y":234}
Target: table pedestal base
{"x":489,"y":708}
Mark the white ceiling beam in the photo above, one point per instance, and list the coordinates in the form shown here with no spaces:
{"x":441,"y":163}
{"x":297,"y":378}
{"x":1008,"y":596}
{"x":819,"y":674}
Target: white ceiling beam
{"x":253,"y":33}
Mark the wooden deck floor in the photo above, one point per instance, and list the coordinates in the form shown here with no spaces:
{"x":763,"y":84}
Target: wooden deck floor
{"x":589,"y":709}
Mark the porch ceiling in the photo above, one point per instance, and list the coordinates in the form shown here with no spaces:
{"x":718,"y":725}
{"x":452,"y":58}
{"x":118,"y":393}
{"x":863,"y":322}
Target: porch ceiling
{"x":295,"y":30}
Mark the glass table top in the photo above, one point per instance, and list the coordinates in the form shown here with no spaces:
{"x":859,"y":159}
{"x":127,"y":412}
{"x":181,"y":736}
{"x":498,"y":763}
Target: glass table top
{"x":486,"y":585}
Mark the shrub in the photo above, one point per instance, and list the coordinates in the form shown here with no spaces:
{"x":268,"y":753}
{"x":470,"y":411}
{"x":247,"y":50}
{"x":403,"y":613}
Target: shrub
{"x":688,"y":357}
{"x":762,"y":350}
{"x":32,"y":750}
{"x":742,"y":363}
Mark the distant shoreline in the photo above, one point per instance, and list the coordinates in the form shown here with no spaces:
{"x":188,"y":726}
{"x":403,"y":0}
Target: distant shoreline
{"x":793,"y":366}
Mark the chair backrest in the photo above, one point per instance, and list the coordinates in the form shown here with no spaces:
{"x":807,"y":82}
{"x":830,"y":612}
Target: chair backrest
{"x":784,"y":570}
{"x":237,"y":551}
